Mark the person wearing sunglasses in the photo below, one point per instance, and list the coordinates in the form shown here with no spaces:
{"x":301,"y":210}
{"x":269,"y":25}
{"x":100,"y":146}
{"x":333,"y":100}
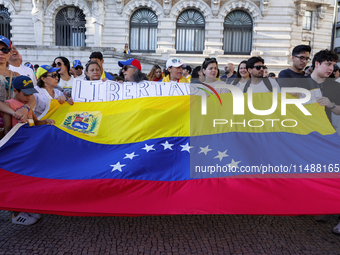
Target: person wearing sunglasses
{"x":300,"y":59}
{"x":66,"y":79}
{"x":47,"y":83}
{"x":259,"y":84}
{"x":77,"y":70}
{"x":174,"y":68}
{"x":132,"y":70}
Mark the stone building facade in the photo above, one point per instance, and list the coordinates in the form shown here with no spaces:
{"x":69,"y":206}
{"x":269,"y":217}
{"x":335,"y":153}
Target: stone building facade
{"x":188,"y":29}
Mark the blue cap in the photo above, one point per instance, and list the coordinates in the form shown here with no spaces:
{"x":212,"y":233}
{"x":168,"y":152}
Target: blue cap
{"x":76,"y":63}
{"x":45,"y":69}
{"x":30,"y":66}
{"x":5,"y":40}
{"x":131,"y":61}
{"x":25,"y":84}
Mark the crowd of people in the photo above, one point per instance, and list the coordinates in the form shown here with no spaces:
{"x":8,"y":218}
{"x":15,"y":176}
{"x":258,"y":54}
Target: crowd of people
{"x":25,"y":90}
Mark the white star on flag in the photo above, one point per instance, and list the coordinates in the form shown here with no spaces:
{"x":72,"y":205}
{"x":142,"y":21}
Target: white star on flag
{"x":131,"y":155}
{"x":186,"y":147}
{"x":117,"y":166}
{"x":221,"y":155}
{"x":233,"y":164}
{"x":205,"y":150}
{"x":148,"y":148}
{"x":167,"y":145}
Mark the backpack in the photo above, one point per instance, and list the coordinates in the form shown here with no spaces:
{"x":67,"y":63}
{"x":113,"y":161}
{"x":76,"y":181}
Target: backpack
{"x":265,"y":81}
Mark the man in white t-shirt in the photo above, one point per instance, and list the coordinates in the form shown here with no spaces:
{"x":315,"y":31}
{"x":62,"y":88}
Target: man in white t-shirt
{"x":255,"y":67}
{"x":16,"y":66}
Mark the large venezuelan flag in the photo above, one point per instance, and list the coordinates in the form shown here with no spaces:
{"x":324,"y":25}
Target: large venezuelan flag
{"x":160,"y":156}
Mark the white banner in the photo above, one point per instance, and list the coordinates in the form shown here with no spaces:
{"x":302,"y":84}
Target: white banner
{"x":98,"y":91}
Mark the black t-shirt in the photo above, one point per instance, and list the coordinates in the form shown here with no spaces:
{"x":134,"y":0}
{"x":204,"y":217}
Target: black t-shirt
{"x":289,"y":78}
{"x":329,"y":88}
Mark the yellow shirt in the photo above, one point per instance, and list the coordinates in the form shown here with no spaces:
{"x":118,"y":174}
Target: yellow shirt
{"x":181,"y":80}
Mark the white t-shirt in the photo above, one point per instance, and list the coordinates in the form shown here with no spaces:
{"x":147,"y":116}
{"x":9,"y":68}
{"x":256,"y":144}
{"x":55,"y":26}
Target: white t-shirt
{"x":24,"y":70}
{"x":66,"y":86}
{"x":261,"y":87}
{"x":43,"y":98}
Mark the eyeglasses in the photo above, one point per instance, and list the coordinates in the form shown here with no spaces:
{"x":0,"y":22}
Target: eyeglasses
{"x":125,"y":68}
{"x":259,"y":67}
{"x":55,"y":75}
{"x":302,"y":58}
{"x":5,"y":50}
{"x":56,"y":64}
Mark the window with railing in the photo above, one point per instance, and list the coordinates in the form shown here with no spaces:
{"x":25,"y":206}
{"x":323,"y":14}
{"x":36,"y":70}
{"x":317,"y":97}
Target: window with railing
{"x":143,"y":31}
{"x":70,"y":27}
{"x":238,"y":33}
{"x":5,"y":22}
{"x":190,"y":32}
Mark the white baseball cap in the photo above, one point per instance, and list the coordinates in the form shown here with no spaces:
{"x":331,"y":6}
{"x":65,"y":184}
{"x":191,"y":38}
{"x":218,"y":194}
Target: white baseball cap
{"x":175,"y":62}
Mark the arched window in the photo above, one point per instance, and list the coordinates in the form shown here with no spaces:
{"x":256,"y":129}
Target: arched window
{"x":5,"y":21}
{"x":238,"y":33}
{"x":70,"y":27}
{"x":190,"y":32}
{"x":143,"y":31}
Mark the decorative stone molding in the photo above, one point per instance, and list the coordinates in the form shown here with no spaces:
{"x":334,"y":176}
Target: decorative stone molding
{"x":130,"y":7}
{"x":264,"y":7}
{"x":38,"y":20}
{"x":167,"y":6}
{"x":320,"y":15}
{"x":98,"y":12}
{"x":300,"y":11}
{"x":57,"y":5}
{"x":119,"y":6}
{"x":198,"y":4}
{"x":12,"y":9}
{"x":252,"y":8}
{"x":215,"y":7}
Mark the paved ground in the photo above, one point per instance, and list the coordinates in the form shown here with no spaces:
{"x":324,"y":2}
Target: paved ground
{"x":181,"y":234}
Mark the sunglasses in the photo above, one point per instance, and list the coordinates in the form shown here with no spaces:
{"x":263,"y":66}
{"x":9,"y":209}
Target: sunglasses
{"x":5,"y":50}
{"x":210,"y":59}
{"x":125,"y":68}
{"x":259,"y":67}
{"x":56,"y":64}
{"x":55,"y":75}
{"x":79,"y":67}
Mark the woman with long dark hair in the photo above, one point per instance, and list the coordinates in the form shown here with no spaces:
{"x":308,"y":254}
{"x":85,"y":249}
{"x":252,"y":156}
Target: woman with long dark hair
{"x":66,"y":79}
{"x":242,"y":75}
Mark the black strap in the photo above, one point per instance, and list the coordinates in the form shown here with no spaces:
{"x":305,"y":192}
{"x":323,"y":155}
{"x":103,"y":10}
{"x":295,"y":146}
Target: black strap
{"x":265,"y":81}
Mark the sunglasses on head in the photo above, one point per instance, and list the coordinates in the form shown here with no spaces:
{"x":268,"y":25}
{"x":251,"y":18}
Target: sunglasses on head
{"x":55,"y":75}
{"x":259,"y":67}
{"x":56,"y":64}
{"x":5,"y":50}
{"x":210,"y":59}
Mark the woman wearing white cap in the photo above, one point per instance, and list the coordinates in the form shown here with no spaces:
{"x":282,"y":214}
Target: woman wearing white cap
{"x":174,"y":67}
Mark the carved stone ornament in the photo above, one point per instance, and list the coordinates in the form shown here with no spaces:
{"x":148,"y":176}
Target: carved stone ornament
{"x":167,"y":6}
{"x":320,"y":13}
{"x":264,"y":7}
{"x":215,"y":7}
{"x":119,"y":6}
{"x":300,"y":11}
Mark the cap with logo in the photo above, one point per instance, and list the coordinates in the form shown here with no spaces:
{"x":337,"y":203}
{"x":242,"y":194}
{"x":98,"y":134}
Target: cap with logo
{"x":76,"y":63}
{"x":25,"y":84}
{"x":175,"y":62}
{"x":45,"y":69}
{"x":5,"y":40}
{"x":131,"y":61}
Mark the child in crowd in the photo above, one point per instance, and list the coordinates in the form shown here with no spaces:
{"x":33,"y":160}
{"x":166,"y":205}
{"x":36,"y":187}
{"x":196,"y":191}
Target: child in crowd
{"x":23,"y":90}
